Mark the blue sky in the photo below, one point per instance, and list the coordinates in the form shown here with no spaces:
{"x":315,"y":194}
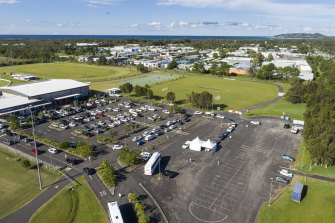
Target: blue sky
{"x":167,"y":17}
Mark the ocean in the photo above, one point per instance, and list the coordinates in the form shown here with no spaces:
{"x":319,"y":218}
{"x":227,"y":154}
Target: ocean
{"x":45,"y":37}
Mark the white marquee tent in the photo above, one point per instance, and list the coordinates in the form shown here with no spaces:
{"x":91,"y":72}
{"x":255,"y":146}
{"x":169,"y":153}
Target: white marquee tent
{"x":197,"y":144}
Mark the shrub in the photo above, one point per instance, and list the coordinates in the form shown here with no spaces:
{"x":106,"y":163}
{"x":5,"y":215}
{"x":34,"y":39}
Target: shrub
{"x":25,"y":163}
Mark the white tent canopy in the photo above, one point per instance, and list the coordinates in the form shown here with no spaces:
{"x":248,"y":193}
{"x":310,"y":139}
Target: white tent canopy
{"x":197,"y":144}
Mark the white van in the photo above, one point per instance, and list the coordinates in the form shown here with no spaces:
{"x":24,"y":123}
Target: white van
{"x":149,"y":137}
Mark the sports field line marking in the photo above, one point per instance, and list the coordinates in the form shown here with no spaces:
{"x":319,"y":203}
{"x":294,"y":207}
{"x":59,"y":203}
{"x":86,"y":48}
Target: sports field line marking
{"x":224,"y":215}
{"x":209,"y":191}
{"x":203,"y":201}
{"x":213,"y":188}
{"x":221,"y":207}
{"x":206,"y":196}
{"x":228,"y":182}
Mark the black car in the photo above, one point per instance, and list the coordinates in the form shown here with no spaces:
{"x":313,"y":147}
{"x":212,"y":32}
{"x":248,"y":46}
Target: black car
{"x":26,"y":140}
{"x":180,"y":122}
{"x":18,"y":136}
{"x":71,"y":161}
{"x":88,"y":171}
{"x":187,"y":115}
{"x":287,"y":126}
{"x":158,"y":133}
{"x":187,"y":120}
{"x":162,"y":126}
{"x":221,"y":137}
{"x":169,"y":174}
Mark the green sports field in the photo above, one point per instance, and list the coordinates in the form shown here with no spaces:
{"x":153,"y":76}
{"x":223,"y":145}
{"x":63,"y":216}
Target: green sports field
{"x":317,"y":206}
{"x":73,"y":206}
{"x":72,"y":71}
{"x":229,"y":94}
{"x":3,"y":83}
{"x":18,"y":185}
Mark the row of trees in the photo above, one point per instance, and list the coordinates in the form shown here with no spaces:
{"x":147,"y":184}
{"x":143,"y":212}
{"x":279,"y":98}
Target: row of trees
{"x":107,"y":174}
{"x":138,"y":90}
{"x":200,"y":100}
{"x":129,"y":157}
{"x":139,"y":208}
{"x":271,"y":72}
{"x":319,"y":131}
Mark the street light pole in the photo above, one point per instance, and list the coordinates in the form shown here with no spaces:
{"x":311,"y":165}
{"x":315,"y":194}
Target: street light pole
{"x":270,"y":193}
{"x":37,"y":163}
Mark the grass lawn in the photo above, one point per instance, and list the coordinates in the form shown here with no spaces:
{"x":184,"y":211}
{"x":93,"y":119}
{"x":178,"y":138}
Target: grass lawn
{"x":19,"y":185}
{"x":72,"y":71}
{"x":317,"y":206}
{"x":295,"y":111}
{"x":72,"y":206}
{"x":229,"y":94}
{"x":3,"y":83}
{"x":311,"y":169}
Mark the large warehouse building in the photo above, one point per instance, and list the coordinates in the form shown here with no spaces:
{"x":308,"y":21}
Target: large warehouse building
{"x":18,"y":98}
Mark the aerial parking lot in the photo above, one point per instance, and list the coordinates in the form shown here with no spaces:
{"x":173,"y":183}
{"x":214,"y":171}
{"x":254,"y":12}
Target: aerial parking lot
{"x":229,"y":185}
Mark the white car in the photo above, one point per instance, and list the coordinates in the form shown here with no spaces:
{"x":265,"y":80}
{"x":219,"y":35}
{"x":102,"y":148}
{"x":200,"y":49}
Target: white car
{"x":63,"y":126}
{"x":197,"y":112}
{"x":116,"y":109}
{"x":186,"y":145}
{"x":220,"y":116}
{"x":146,"y":134}
{"x":101,"y":123}
{"x":149,"y":137}
{"x":53,"y":150}
{"x":145,"y":155}
{"x":286,"y":173}
{"x":72,"y":124}
{"x":136,"y":138}
{"x":167,"y":130}
{"x":255,"y":122}
{"x":116,"y":147}
{"x":166,"y":112}
{"x":152,"y":109}
{"x":172,"y":127}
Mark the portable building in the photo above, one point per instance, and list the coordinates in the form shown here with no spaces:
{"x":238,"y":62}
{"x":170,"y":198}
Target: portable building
{"x":297,"y":191}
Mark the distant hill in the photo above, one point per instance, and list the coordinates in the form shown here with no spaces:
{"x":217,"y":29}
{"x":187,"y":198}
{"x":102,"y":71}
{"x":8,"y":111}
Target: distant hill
{"x":301,"y":36}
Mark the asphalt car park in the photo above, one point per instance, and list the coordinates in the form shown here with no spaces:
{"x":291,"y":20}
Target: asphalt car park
{"x":229,"y":185}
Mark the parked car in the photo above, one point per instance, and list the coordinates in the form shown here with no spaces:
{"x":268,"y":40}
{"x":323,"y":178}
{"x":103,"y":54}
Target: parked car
{"x":139,"y":142}
{"x":169,"y":174}
{"x":220,"y":116}
{"x":72,"y":124}
{"x":186,"y":145}
{"x":197,"y":112}
{"x":71,"y":161}
{"x":145,"y":155}
{"x":286,"y":173}
{"x":137,"y":138}
{"x":117,"y":147}
{"x":53,"y":150}
{"x":97,"y":131}
{"x":158,"y":133}
{"x":8,"y":142}
{"x":287,"y":126}
{"x":18,"y":136}
{"x":166,"y":112}
{"x":86,"y":128}
{"x":287,"y":157}
{"x":172,"y":127}
{"x":146,"y":134}
{"x":149,"y":137}
{"x":255,"y":122}
{"x":88,"y":171}
{"x":282,"y":179}
{"x":33,"y":151}
{"x":167,"y":130}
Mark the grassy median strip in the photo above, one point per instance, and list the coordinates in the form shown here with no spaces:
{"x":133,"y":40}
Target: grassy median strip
{"x":316,"y":206}
{"x":77,"y":205}
{"x":18,"y":184}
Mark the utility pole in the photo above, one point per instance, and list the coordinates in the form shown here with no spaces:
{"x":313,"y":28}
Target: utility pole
{"x":86,"y":71}
{"x":37,"y":163}
{"x":270,"y":192}
{"x":302,"y":160}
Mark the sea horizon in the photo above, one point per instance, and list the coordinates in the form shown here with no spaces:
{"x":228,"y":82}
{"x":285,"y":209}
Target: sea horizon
{"x":45,"y":37}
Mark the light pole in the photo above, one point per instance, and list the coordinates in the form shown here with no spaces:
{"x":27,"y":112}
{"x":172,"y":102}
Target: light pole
{"x":11,"y":54}
{"x":270,"y":192}
{"x":37,"y":163}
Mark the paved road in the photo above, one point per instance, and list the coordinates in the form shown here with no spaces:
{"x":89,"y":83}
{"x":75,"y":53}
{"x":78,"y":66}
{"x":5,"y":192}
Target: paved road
{"x":24,"y":214}
{"x":281,"y":92}
{"x":313,"y":176}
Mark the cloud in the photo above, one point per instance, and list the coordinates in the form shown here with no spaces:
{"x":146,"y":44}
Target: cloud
{"x":156,"y":25}
{"x":307,"y":29}
{"x":69,"y":24}
{"x":8,"y":1}
{"x":60,"y":24}
{"x":134,"y":25}
{"x":28,"y":20}
{"x":265,"y":6}
{"x":100,"y":3}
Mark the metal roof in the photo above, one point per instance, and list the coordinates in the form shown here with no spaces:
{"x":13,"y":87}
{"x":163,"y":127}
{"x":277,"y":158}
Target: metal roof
{"x":10,"y":102}
{"x":43,"y":87}
{"x":297,"y":188}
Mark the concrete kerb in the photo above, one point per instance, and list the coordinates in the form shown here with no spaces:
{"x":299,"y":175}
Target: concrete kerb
{"x":29,"y":157}
{"x":155,"y":202}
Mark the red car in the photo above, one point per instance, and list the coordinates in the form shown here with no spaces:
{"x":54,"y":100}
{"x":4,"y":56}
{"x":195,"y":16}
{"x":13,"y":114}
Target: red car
{"x":101,"y":115}
{"x":33,"y":151}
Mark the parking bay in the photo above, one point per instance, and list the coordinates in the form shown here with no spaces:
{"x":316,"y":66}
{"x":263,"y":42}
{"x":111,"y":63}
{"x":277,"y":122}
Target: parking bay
{"x":228,"y":186}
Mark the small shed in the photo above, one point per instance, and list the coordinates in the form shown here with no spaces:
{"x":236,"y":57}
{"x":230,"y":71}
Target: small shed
{"x":297,"y":191}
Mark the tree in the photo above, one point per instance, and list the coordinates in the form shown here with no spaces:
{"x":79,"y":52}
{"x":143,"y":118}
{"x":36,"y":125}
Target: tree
{"x":266,"y":72}
{"x":224,"y":69}
{"x":295,"y":93}
{"x":102,"y":60}
{"x":270,"y":57}
{"x":107,"y":174}
{"x":198,"y":68}
{"x":25,"y":163}
{"x":215,"y":55}
{"x":214,"y":68}
{"x":112,"y":134}
{"x":132,"y":197}
{"x":173,"y":64}
{"x":126,"y":88}
{"x":141,"y":68}
{"x":149,"y":93}
{"x":259,"y":58}
{"x":64,"y":145}
{"x":14,"y":122}
{"x":171,"y":96}
{"x":40,"y":114}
